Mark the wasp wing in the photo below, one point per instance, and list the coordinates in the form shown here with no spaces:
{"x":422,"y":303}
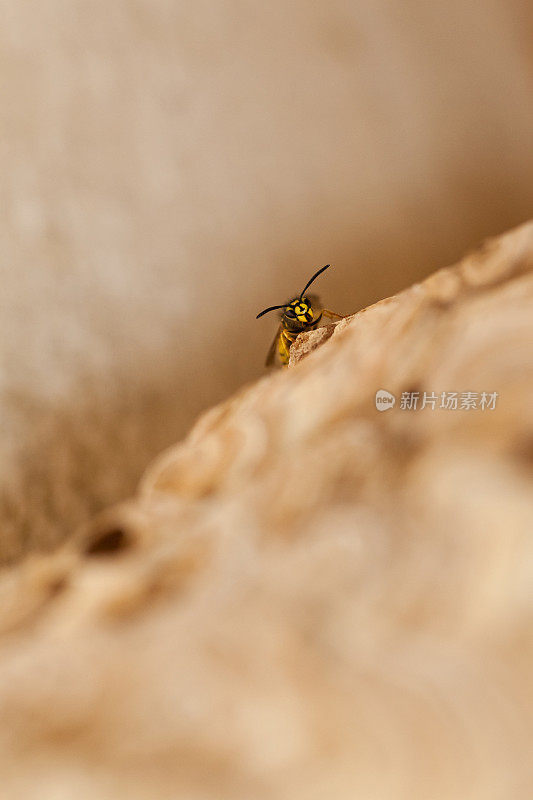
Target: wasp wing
{"x":273,"y":349}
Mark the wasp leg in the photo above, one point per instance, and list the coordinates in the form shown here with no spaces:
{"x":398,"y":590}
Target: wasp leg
{"x":284,"y":347}
{"x":332,"y":314}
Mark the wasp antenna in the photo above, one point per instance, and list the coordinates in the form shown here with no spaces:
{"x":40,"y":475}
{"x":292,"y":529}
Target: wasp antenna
{"x":315,"y":276}
{"x":271,"y":308}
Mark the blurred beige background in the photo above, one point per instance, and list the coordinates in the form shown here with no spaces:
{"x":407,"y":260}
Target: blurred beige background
{"x":169,"y":169}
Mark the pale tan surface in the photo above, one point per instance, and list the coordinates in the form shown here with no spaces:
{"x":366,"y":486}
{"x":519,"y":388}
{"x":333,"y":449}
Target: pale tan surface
{"x":170,"y":168}
{"x":308,"y":598}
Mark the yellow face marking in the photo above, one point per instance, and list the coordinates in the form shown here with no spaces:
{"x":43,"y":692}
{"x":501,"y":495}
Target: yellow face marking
{"x":302,"y":311}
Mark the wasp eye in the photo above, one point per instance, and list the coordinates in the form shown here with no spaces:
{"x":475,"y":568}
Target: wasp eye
{"x":289,"y":312}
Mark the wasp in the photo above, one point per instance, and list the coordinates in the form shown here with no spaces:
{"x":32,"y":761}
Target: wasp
{"x":297,"y":316}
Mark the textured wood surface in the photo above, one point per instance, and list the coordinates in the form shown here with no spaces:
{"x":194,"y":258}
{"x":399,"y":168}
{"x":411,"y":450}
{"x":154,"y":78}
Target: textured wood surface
{"x":307,"y":597}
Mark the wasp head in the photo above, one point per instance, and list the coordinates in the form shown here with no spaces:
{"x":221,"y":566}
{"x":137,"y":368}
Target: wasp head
{"x":298,"y":313}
